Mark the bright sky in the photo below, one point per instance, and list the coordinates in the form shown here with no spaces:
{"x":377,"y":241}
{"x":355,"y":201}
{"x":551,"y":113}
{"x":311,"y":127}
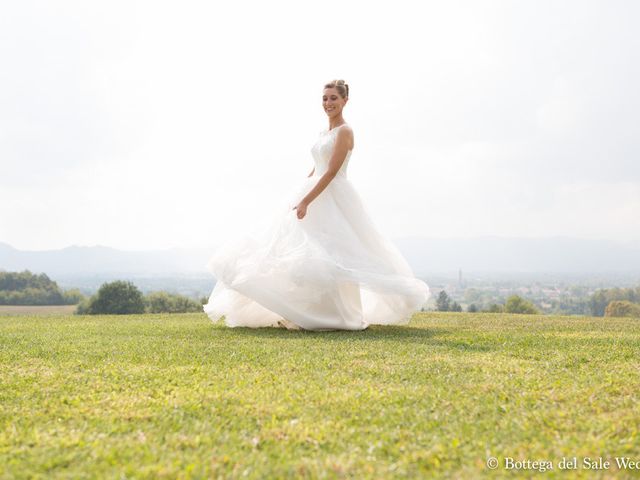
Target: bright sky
{"x":149,"y":124}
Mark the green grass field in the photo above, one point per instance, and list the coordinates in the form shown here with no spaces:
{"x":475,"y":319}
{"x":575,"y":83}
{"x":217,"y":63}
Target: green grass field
{"x":174,"y":396}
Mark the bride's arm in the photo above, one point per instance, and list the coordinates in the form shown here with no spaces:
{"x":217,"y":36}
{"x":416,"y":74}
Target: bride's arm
{"x":314,"y":169}
{"x":343,"y":139}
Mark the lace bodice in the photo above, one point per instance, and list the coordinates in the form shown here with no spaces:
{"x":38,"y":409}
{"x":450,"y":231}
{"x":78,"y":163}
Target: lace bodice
{"x":323,"y":149}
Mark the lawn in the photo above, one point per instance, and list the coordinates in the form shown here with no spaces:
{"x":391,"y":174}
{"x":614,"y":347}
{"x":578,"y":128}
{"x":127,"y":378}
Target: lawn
{"x":174,"y":396}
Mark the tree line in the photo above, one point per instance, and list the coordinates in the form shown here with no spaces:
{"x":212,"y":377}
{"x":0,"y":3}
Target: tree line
{"x":121,"y":297}
{"x":513,"y":304}
{"x":612,"y":302}
{"x":26,"y":288}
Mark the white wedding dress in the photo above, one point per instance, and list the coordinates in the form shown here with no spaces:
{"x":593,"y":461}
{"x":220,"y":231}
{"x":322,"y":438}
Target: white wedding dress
{"x":332,"y":270}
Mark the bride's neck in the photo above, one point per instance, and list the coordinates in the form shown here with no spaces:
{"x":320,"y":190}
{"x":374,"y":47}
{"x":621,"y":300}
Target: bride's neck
{"x":336,"y":122}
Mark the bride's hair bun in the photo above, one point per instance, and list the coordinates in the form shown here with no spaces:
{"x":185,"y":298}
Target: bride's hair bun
{"x":340,"y":85}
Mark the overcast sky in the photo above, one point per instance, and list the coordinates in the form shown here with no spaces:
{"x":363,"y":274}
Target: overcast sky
{"x":143,"y":125}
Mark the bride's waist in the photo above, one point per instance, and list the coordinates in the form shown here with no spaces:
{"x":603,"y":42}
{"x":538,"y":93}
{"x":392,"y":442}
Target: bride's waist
{"x":339,"y":176}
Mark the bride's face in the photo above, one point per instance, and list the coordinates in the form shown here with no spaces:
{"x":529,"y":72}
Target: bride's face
{"x":332,"y":102}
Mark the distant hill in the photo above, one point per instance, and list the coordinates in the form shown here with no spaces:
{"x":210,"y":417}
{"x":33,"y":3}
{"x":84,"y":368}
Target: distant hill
{"x":76,"y":260}
{"x":425,"y":255}
{"x":518,"y":254}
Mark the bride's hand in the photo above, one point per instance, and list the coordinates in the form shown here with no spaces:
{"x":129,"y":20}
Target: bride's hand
{"x":301,"y":210}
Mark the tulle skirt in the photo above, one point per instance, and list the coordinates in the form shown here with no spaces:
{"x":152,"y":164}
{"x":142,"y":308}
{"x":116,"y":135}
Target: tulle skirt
{"x":332,"y":270}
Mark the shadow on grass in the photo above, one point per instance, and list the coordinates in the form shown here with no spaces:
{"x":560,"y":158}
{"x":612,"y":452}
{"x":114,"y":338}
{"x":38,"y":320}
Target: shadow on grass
{"x":376,"y":333}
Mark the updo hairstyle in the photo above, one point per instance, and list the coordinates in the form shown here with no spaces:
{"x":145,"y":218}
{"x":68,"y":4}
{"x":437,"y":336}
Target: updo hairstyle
{"x":340,"y":85}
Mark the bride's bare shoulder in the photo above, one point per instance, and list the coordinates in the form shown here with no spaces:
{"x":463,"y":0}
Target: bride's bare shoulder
{"x":346,"y":127}
{"x":346,"y":132}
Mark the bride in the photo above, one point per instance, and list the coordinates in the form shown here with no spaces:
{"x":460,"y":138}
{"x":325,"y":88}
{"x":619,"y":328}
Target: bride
{"x":321,"y":265}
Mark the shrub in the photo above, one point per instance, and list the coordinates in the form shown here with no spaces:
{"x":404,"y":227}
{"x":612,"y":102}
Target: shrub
{"x":517,"y":304}
{"x":83,"y":307}
{"x":117,"y":298}
{"x":163,"y":302}
{"x":622,"y":308}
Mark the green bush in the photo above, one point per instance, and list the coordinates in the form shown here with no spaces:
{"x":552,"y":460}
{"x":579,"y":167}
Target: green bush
{"x":83,"y":307}
{"x":517,"y":304}
{"x":116,"y":298}
{"x":622,"y":308}
{"x":163,"y":302}
{"x":123,"y":297}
